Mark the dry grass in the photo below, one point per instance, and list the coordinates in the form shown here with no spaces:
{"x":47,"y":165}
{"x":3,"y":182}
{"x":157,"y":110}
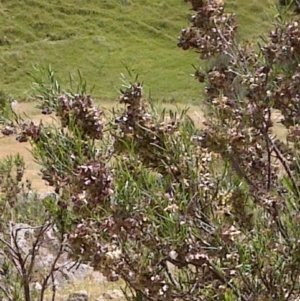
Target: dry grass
{"x":279,"y":129}
{"x":94,"y":290}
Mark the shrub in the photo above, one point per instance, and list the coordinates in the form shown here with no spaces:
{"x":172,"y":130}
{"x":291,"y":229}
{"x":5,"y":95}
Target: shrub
{"x":181,"y":213}
{"x":27,"y":229}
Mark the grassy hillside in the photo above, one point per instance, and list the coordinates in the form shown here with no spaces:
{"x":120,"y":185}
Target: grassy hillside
{"x":99,"y":36}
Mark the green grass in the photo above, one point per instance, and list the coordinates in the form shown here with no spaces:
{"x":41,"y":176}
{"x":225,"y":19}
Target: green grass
{"x":98,"y":36}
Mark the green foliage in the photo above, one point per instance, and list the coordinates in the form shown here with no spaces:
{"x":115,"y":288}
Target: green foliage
{"x":177,"y":212}
{"x":98,"y":37}
{"x":3,"y":100}
{"x":47,"y":86}
{"x":5,"y":106}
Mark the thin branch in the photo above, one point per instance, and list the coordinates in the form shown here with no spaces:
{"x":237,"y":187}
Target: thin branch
{"x":284,"y":164}
{"x":52,"y":269}
{"x":36,"y":246}
{"x":269,"y":148}
{"x":53,"y":288}
{"x":4,"y":290}
{"x":23,"y":273}
{"x":223,"y":279}
{"x":13,"y":252}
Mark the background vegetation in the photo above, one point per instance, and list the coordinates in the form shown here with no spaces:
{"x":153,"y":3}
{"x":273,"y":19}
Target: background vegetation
{"x":98,"y":36}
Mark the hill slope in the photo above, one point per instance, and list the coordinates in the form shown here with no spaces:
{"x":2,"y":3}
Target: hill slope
{"x":97,"y":36}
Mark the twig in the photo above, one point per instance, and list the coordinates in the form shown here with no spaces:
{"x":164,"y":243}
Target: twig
{"x":284,"y":164}
{"x":52,"y":269}
{"x":6,"y":293}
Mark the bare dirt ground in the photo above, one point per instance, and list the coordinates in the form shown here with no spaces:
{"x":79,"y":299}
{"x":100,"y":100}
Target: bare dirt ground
{"x":9,"y":146}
